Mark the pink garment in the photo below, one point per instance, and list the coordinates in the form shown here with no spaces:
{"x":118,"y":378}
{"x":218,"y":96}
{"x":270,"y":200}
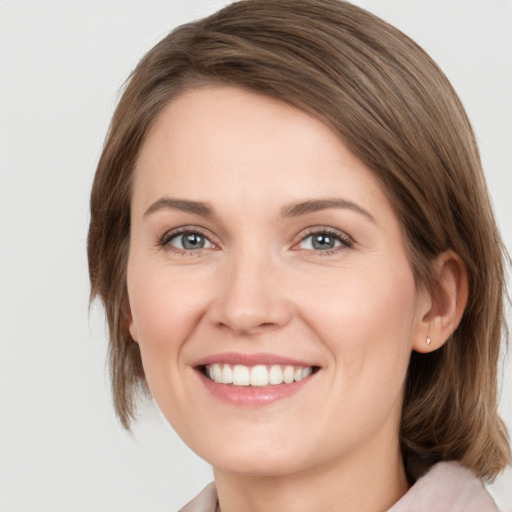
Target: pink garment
{"x":447,"y":487}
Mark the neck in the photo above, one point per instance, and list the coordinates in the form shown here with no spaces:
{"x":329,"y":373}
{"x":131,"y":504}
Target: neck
{"x":371,"y":481}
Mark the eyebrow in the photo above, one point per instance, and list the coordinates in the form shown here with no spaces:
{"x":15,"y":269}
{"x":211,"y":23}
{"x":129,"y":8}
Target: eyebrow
{"x":316,"y":205}
{"x":184,"y":205}
{"x":292,"y":210}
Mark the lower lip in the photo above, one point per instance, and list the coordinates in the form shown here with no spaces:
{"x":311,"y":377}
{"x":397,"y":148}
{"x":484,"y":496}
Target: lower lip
{"x":253,"y":396}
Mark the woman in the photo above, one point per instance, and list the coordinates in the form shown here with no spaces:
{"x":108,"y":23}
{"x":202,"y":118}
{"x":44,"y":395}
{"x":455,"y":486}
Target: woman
{"x":292,"y":236}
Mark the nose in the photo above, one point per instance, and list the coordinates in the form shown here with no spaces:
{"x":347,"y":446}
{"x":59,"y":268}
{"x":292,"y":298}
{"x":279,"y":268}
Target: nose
{"x":250,"y":298}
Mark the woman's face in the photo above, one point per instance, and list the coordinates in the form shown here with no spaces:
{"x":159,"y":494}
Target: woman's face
{"x":262,"y":249}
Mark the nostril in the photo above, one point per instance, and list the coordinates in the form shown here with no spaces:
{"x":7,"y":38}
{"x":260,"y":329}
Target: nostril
{"x":248,"y":328}
{"x":246,"y":304}
{"x":268,"y":326}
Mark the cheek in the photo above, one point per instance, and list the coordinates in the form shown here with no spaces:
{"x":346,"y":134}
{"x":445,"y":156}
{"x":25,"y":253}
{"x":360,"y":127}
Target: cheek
{"x":366,"y":318}
{"x":163,"y":312}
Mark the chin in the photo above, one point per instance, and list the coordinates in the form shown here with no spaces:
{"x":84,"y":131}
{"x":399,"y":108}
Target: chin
{"x":257,"y":465}
{"x":265,"y":457}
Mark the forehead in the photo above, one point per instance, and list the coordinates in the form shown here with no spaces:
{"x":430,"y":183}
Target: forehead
{"x":221,"y":142}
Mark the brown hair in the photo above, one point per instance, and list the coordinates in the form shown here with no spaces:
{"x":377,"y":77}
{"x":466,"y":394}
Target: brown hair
{"x":397,"y":112}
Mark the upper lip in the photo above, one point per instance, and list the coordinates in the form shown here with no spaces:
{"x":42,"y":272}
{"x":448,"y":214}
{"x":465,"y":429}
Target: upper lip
{"x":264,"y":358}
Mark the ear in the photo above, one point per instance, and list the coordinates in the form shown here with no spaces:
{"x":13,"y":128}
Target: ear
{"x":133,"y":330}
{"x":131,"y":325}
{"x":444,"y":303}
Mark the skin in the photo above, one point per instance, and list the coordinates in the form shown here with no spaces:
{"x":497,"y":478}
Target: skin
{"x":259,"y":285}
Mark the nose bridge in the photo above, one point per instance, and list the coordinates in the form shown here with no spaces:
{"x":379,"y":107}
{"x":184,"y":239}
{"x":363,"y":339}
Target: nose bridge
{"x":250,"y":299}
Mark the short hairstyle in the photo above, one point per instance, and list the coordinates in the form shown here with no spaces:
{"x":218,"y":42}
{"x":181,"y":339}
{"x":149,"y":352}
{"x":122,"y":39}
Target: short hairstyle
{"x":392,"y":106}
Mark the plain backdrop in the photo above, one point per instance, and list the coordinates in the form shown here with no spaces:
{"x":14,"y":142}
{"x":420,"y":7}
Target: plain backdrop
{"x":62,"y":64}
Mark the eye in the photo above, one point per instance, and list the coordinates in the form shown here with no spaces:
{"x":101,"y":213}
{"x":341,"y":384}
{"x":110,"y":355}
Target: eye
{"x":325,"y":241}
{"x":186,"y":241}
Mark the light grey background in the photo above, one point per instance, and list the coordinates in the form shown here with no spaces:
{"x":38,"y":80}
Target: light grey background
{"x":61,"y":65}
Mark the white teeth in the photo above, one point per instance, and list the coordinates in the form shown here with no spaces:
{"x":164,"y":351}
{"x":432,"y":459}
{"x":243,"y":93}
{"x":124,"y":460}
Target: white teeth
{"x":227,"y":374}
{"x":241,"y":375}
{"x":275,"y":376}
{"x":289,"y":374}
{"x":306,"y":372}
{"x":259,"y":375}
{"x":217,"y":373}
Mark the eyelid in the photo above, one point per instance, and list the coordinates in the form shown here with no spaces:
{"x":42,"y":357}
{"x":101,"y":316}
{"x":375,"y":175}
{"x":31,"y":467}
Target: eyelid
{"x":164,"y":240}
{"x":346,"y":240}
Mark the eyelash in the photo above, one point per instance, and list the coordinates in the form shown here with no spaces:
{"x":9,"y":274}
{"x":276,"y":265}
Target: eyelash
{"x":346,"y":242}
{"x":165,"y":240}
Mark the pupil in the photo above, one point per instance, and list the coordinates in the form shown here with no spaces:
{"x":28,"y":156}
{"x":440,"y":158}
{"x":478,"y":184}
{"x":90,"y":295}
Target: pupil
{"x":193,"y":241}
{"x":323,"y":242}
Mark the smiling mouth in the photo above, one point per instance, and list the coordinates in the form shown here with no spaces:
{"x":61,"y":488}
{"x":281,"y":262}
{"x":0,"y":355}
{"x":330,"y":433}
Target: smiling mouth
{"x":256,"y":376}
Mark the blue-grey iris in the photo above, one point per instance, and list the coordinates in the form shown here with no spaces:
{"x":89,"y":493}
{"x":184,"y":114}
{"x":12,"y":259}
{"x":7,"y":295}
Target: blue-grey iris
{"x":192,"y":241}
{"x":323,"y":242}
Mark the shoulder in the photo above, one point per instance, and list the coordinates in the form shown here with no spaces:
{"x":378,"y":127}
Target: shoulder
{"x":447,"y":487}
{"x":205,"y":501}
